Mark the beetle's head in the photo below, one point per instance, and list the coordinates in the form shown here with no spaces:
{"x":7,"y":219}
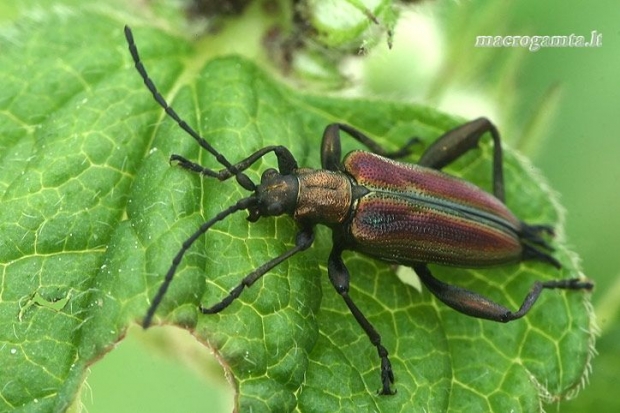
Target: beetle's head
{"x":276,"y":195}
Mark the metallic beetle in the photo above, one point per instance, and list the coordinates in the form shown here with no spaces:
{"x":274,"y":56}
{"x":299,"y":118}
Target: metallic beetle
{"x":393,"y":211}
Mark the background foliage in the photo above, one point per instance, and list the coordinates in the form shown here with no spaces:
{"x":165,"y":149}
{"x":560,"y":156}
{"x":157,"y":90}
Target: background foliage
{"x":585,"y":120}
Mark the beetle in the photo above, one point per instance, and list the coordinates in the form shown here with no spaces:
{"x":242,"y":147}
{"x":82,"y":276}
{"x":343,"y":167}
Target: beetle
{"x":401,"y":213}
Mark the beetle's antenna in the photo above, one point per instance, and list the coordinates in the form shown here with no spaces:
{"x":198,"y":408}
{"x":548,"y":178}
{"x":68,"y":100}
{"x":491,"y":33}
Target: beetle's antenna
{"x":242,"y":204}
{"x":171,"y":112}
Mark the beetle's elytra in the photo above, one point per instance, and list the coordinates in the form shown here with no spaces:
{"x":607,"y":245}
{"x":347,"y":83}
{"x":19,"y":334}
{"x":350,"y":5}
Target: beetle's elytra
{"x":396,"y":212}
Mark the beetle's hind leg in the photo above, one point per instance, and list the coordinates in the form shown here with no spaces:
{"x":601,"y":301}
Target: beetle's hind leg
{"x":535,"y":247}
{"x":479,"y":306}
{"x":539,"y":229}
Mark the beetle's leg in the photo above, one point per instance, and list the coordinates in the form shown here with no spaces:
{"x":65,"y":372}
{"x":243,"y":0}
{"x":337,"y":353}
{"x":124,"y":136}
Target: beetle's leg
{"x":476,"y":305}
{"x":339,"y":277}
{"x":242,"y":204}
{"x":454,"y":143}
{"x":535,"y":247}
{"x":286,"y":165}
{"x":304,"y":240}
{"x":331,"y":153}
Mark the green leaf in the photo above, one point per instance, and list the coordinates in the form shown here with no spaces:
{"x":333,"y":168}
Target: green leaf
{"x":349,"y":24}
{"x":92,"y":214}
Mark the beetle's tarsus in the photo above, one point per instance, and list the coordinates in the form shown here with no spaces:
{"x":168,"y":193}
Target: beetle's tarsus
{"x":570,"y":284}
{"x":405,"y":151}
{"x":387,"y":375}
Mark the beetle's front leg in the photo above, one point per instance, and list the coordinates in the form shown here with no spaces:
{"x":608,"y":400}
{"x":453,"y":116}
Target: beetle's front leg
{"x":303,"y":241}
{"x":331,"y":152}
{"x":476,"y":305}
{"x":286,"y":165}
{"x":339,"y":277}
{"x":454,"y":143}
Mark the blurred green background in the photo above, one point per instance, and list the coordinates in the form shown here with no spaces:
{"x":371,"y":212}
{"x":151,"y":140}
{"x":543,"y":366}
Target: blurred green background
{"x":557,"y":105}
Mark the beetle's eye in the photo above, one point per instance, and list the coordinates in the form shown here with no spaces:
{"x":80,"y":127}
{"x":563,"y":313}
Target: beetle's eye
{"x":253,"y":215}
{"x":268,"y":174}
{"x":275,"y":208}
